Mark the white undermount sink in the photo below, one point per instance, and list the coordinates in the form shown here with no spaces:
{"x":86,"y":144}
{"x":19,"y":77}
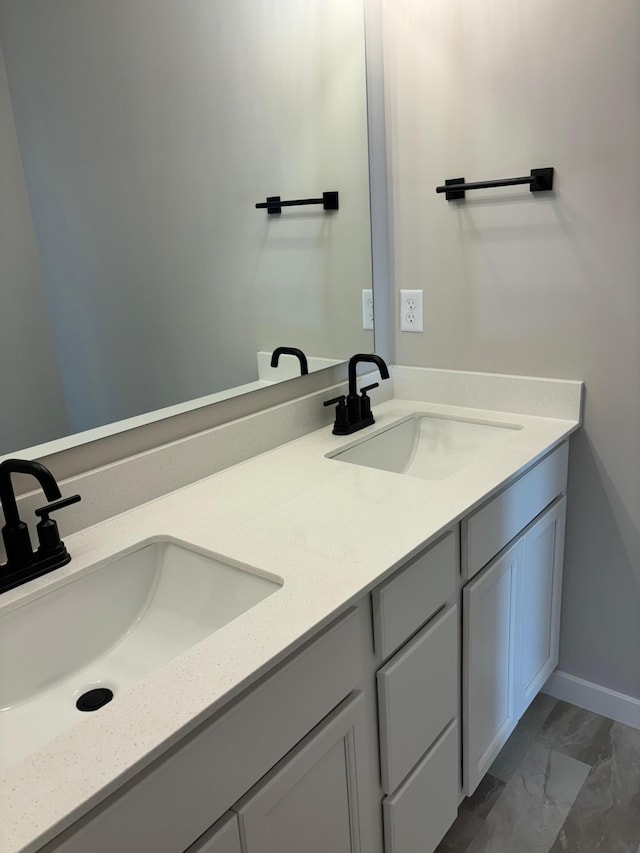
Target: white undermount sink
{"x":427,"y":446}
{"x":107,"y":628}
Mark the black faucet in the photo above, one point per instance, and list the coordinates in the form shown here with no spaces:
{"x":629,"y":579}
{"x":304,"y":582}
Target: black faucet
{"x":353,"y":412}
{"x":278,"y":351}
{"x":23,"y":564}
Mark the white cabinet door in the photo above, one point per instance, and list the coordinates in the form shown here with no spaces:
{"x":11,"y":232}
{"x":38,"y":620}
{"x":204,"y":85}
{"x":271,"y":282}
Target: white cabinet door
{"x":489,"y":629}
{"x":224,"y":837}
{"x":539,"y":595}
{"x":311,"y":800}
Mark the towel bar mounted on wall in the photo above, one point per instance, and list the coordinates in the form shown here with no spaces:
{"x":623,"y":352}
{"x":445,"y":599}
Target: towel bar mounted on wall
{"x":540,"y":180}
{"x":273,"y":204}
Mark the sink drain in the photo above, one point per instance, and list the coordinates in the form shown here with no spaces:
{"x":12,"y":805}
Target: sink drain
{"x":94,"y":699}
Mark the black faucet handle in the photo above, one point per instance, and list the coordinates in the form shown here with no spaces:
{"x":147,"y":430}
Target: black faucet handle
{"x":332,"y":402}
{"x":43,"y":511}
{"x":363,"y":391}
{"x":365,"y":403}
{"x":51,"y":546}
{"x":341,"y":422}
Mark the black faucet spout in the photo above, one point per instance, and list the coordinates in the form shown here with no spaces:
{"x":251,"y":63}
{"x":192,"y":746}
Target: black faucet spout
{"x":278,"y":351}
{"x":365,"y":357}
{"x":7,"y":495}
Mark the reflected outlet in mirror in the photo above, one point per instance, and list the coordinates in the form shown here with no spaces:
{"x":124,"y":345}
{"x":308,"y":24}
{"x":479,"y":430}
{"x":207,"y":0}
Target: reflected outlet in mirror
{"x":108,"y":627}
{"x":426,"y":446}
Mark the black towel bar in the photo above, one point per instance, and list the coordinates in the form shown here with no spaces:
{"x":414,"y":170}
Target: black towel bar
{"x":274,"y":204}
{"x":540,"y":180}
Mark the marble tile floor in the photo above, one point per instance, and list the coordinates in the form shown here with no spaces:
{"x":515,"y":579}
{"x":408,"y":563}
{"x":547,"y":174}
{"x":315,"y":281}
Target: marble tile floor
{"x":566,"y":781}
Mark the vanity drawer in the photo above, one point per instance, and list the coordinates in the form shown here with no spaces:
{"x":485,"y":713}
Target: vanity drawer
{"x":421,"y":811}
{"x":487,"y":530}
{"x":411,"y":597}
{"x":418,"y":696}
{"x":169,"y":805}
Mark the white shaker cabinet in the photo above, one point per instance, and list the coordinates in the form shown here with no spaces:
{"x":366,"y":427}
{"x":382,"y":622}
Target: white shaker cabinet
{"x":539,"y":598}
{"x":511,"y":633}
{"x":311,"y":801}
{"x":305,"y":761}
{"x":419,"y":697}
{"x":489,"y":660}
{"x":169,"y":806}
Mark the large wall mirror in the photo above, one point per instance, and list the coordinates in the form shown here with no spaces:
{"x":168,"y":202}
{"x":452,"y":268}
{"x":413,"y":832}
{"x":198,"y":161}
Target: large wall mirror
{"x":136,"y":137}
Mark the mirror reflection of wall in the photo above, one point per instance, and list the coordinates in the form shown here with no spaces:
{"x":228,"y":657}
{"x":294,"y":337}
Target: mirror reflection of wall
{"x":136,"y":137}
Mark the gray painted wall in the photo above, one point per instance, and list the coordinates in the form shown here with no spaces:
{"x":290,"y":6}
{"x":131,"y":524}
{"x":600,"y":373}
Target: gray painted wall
{"x":29,"y":378}
{"x":537,"y":286}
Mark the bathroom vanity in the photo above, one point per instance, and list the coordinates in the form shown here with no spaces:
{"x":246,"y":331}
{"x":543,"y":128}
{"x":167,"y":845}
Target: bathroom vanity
{"x":353,"y":707}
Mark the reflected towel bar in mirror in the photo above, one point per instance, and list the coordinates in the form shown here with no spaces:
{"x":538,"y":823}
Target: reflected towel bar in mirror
{"x":540,"y":180}
{"x":274,"y":204}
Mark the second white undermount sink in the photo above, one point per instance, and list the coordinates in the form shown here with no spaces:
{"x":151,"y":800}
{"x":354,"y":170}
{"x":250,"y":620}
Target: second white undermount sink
{"x":427,"y":446}
{"x":107,"y":628}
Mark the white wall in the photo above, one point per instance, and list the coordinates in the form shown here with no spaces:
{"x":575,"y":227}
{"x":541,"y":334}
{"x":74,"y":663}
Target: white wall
{"x":544,"y":286}
{"x":29,"y":379}
{"x":148,"y":131}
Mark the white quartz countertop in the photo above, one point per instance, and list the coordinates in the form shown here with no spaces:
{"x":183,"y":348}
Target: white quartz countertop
{"x":330,"y":530}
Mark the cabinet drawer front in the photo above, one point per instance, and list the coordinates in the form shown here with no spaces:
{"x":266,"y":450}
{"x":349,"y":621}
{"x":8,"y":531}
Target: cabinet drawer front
{"x":418,"y":696}
{"x":172,"y":804}
{"x":418,"y":815}
{"x":487,"y":530}
{"x":411,"y":597}
{"x":224,"y":837}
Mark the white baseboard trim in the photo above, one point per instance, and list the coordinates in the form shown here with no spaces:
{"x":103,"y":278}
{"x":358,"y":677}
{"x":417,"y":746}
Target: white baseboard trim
{"x":593,"y":697}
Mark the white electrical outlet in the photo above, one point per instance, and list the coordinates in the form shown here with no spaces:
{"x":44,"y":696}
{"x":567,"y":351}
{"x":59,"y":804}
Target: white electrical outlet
{"x":411,"y":313}
{"x":367,"y":309}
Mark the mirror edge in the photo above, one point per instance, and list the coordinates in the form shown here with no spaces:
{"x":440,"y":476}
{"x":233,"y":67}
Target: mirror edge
{"x":378,"y":191}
